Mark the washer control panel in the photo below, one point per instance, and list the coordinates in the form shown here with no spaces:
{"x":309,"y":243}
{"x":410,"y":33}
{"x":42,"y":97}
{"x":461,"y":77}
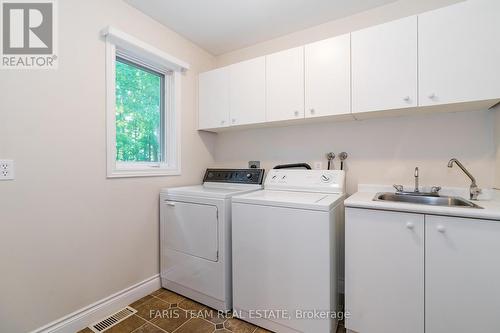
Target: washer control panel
{"x":238,"y":176}
{"x":328,"y":181}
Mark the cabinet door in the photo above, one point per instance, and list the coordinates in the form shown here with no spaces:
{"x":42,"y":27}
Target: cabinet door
{"x":459,"y":53}
{"x":384,"y":66}
{"x":462,"y":275}
{"x":285,"y":84}
{"x":384,"y":271}
{"x":247,"y":81}
{"x":214,"y":98}
{"x":328,"y":77}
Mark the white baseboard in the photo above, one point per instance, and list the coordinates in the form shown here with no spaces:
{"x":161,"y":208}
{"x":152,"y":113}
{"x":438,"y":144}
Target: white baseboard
{"x":94,"y":312}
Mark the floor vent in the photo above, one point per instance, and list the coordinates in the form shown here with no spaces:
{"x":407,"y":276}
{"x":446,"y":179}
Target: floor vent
{"x":112,"y":320}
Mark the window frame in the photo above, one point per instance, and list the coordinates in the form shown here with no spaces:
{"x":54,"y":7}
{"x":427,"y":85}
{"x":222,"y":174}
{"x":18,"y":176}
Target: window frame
{"x":132,"y":50}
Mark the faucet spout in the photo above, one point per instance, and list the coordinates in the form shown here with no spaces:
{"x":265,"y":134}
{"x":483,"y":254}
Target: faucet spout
{"x":474,"y":189}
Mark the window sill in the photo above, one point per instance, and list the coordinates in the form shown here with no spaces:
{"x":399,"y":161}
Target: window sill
{"x":128,"y":173}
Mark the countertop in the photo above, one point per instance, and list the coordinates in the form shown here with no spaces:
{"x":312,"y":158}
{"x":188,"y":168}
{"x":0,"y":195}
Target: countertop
{"x":489,"y":201}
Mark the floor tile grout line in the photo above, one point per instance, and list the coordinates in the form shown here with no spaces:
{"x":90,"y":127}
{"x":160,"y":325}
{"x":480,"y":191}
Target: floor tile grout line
{"x":146,"y":322}
{"x":184,"y":323}
{"x":158,"y":327}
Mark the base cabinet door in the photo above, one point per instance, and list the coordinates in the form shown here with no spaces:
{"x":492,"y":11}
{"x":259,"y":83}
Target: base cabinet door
{"x":384,"y":278}
{"x":462,"y":275}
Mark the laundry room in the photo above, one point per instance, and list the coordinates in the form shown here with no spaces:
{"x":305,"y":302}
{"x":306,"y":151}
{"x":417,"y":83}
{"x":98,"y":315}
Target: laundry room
{"x":249,"y":166}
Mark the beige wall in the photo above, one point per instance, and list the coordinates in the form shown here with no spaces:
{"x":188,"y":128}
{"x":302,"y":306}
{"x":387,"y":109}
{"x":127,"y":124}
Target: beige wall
{"x":382,"y":150}
{"x":497,"y":144}
{"x":392,"y":11}
{"x":68,"y":235}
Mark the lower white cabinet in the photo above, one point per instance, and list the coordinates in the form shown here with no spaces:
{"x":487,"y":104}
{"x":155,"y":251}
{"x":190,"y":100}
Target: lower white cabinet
{"x":405,"y":271}
{"x":462,"y":271}
{"x":384,"y":271}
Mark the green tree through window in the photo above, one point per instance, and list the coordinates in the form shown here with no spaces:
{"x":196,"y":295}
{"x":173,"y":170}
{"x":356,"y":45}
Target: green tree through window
{"x":139,"y":104}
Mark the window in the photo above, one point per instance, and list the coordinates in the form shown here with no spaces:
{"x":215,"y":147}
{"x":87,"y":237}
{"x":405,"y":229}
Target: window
{"x":140,"y":110}
{"x":143,"y":107}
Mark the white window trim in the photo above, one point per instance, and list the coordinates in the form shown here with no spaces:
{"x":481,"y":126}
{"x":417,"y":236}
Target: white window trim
{"x":136,"y":48}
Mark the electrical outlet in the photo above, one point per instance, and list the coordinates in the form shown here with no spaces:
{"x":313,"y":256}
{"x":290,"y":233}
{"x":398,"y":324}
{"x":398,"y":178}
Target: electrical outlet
{"x":254,"y":164}
{"x":6,"y":169}
{"x":318,"y":165}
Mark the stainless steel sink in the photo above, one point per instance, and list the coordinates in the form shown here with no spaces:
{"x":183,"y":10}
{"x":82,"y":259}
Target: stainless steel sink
{"x":432,"y":200}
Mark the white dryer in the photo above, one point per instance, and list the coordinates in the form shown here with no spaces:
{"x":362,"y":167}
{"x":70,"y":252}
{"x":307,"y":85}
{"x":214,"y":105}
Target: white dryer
{"x":287,"y":243}
{"x":195,"y":235}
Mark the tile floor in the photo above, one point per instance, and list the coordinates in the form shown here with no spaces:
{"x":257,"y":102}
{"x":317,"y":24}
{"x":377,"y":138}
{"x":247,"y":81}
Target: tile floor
{"x":165,"y":311}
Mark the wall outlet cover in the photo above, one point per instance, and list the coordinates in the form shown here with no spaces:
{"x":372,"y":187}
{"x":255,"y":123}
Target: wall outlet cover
{"x":254,"y":164}
{"x":6,"y":169}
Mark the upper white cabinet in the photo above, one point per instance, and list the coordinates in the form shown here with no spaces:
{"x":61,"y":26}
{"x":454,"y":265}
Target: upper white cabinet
{"x":447,"y":58}
{"x":247,"y":81}
{"x":384,"y":66}
{"x":285,"y":85}
{"x":462,"y":275}
{"x":384,"y":271}
{"x":214,"y":98}
{"x":328,"y":77}
{"x":459,"y":52}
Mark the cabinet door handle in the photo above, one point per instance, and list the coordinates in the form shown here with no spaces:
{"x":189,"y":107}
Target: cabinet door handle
{"x":406,"y":99}
{"x":312,"y":111}
{"x":432,"y":96}
{"x":441,"y":228}
{"x":233,"y":120}
{"x":410,"y":225}
{"x":170,"y":203}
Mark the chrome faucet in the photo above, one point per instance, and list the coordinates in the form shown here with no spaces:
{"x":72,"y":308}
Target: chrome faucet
{"x":474,"y":189}
{"x":416,"y":191}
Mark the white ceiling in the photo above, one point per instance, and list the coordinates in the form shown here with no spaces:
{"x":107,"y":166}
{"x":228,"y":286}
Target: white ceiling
{"x":220,"y":26}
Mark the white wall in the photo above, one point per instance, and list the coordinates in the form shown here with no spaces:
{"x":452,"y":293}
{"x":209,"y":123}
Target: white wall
{"x":389,"y":12}
{"x":382,"y":150}
{"x":497,"y":143}
{"x":68,"y":235}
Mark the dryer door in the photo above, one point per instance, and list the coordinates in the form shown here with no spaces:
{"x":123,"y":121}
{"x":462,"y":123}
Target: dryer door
{"x":191,"y":228}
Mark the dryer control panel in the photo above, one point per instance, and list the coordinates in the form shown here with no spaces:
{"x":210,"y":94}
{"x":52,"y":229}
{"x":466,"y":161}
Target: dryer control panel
{"x":325,"y":181}
{"x":238,"y":176}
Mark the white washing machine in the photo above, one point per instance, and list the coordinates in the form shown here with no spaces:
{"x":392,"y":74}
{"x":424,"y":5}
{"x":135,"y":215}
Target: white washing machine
{"x":195,"y":235}
{"x":287,"y":246}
